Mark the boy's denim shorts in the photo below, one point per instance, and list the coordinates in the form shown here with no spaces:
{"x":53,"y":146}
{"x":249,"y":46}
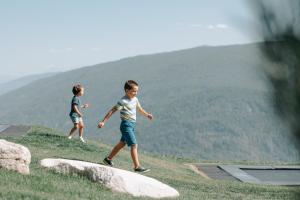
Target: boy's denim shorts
{"x":76,"y":120}
{"x":127,"y":129}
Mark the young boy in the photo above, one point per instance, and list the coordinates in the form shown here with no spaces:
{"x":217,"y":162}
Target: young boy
{"x":127,"y":106}
{"x":75,"y":113}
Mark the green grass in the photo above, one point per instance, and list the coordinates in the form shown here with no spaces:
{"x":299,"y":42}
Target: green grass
{"x":46,"y":184}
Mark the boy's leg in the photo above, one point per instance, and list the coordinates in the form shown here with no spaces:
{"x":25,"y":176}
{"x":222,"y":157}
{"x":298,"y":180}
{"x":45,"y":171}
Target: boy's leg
{"x":81,"y":126}
{"x":134,"y":155}
{"x":115,"y":150}
{"x":73,"y":130}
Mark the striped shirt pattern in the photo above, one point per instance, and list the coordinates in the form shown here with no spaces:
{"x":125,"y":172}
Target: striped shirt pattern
{"x":127,"y":108}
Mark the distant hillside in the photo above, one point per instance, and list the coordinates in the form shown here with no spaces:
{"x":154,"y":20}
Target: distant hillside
{"x":20,"y":82}
{"x":208,"y":103}
{"x":6,"y":77}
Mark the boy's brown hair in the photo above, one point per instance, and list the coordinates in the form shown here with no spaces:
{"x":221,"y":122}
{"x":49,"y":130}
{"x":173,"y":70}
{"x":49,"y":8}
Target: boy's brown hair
{"x":76,"y":89}
{"x":129,"y":84}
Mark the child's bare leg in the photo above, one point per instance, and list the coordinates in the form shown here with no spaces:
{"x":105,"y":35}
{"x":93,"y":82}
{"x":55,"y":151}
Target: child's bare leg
{"x":81,"y":126}
{"x":134,"y":155}
{"x":73,"y":129}
{"x":116,"y":149}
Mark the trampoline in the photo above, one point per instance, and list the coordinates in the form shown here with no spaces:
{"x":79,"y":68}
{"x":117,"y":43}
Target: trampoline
{"x":14,"y":130}
{"x":271,"y":175}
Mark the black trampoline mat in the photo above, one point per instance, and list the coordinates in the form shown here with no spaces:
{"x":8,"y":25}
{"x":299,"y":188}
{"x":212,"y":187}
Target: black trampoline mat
{"x":286,"y":175}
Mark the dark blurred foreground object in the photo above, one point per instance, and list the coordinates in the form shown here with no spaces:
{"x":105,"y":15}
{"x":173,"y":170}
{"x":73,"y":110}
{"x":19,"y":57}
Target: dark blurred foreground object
{"x":279,"y":23}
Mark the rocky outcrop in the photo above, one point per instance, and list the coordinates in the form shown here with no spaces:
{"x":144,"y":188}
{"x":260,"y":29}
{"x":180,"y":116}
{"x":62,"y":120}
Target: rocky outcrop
{"x":14,"y":157}
{"x":116,"y":179}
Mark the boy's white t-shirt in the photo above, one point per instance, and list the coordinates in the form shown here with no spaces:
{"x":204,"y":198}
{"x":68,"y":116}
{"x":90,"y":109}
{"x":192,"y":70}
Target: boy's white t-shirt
{"x":127,"y":108}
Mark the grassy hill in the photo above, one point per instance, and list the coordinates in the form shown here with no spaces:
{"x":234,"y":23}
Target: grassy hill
{"x":208,"y":103}
{"x":45,"y":184}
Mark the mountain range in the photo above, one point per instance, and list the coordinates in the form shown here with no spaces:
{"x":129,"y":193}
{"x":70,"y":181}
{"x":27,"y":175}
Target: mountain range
{"x":14,"y":84}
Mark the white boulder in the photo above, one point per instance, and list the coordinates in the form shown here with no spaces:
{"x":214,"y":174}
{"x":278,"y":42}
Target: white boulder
{"x":116,"y":179}
{"x":14,"y":157}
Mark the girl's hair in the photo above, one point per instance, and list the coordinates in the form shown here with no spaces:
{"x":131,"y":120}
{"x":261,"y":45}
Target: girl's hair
{"x":76,"y":89}
{"x":129,"y":84}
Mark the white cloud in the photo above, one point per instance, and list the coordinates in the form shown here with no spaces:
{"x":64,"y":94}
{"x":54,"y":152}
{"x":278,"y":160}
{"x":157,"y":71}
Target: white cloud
{"x":217,"y":26}
{"x":95,"y":49}
{"x":196,"y":25}
{"x":210,"y":26}
{"x":64,"y":50}
{"x":223,"y":26}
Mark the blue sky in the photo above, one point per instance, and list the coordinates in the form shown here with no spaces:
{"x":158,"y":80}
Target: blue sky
{"x":39,"y":36}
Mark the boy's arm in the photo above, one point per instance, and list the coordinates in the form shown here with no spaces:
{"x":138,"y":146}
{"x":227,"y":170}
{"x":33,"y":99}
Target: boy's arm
{"x":76,"y":110}
{"x":107,"y":116}
{"x":144,"y":113}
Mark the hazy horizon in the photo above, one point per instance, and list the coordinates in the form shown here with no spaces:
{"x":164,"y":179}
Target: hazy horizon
{"x":11,"y":77}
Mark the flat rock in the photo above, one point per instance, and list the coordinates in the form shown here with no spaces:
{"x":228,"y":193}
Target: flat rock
{"x":115,"y":179}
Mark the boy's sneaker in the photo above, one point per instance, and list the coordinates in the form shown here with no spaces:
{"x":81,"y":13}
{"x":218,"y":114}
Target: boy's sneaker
{"x":82,"y":140}
{"x":70,"y":137}
{"x":141,"y":170}
{"x":107,"y":161}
